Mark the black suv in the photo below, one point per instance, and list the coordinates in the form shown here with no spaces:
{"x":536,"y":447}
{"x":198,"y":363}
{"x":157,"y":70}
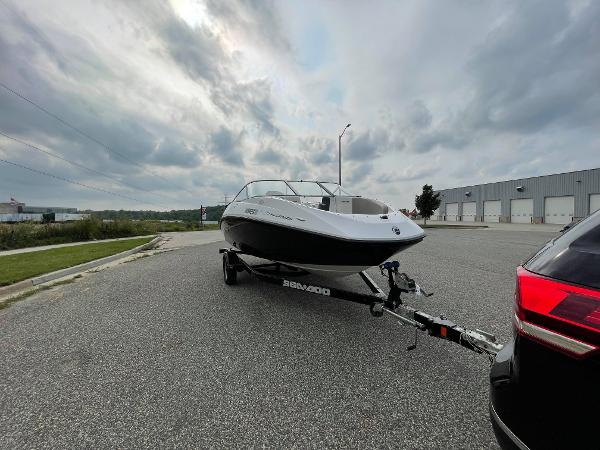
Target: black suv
{"x":545,"y":384}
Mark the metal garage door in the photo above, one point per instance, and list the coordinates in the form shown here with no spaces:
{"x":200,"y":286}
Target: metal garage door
{"x":468,"y":213}
{"x":492,"y":210}
{"x":521,"y":211}
{"x":594,"y":202}
{"x":559,"y":209}
{"x":452,"y":212}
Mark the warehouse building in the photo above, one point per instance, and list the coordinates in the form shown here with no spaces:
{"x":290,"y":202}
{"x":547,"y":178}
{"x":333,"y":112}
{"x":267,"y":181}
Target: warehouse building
{"x":14,"y":211}
{"x":15,"y":207}
{"x":558,"y":199}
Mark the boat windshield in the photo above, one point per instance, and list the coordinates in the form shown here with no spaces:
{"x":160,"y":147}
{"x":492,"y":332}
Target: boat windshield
{"x":280,"y":188}
{"x":263,"y":189}
{"x":309,"y":188}
{"x":336,"y":189}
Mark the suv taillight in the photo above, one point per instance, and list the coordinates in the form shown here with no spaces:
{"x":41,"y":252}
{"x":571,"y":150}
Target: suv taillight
{"x":557,"y":314}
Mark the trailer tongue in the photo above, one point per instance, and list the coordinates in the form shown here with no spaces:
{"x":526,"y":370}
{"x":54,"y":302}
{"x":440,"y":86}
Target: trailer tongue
{"x":379,"y":303}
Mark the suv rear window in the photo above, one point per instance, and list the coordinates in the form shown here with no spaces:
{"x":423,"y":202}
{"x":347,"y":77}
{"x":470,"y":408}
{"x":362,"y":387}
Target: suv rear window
{"x":574,"y":256}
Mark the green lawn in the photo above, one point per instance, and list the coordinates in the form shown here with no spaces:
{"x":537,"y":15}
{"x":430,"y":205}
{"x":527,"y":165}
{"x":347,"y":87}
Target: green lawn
{"x":210,"y":226}
{"x":14,"y":268}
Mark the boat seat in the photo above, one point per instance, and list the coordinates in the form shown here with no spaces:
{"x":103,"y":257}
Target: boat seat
{"x":325,"y":203}
{"x":367,"y":206}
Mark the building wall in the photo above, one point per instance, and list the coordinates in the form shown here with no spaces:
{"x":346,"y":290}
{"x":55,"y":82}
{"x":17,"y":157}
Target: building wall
{"x":20,"y":217}
{"x":11,"y":208}
{"x":579,"y":184}
{"x":48,"y":209}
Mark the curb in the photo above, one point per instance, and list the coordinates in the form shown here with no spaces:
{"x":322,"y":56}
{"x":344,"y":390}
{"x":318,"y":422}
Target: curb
{"x":31,"y":282}
{"x":458,"y":227}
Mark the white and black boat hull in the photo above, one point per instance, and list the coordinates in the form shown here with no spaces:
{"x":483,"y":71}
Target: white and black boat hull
{"x":307,"y":249}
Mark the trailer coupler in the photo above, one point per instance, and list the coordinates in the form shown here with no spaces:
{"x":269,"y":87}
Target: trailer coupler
{"x":475,"y":340}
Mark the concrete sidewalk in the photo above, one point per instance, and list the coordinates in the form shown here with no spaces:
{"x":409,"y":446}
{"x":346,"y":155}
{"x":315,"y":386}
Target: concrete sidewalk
{"x":544,"y":227}
{"x":175,"y":239}
{"x":68,"y":244}
{"x":178,"y":239}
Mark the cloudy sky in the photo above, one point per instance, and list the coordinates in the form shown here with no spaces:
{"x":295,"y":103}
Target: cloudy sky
{"x":179,"y":103}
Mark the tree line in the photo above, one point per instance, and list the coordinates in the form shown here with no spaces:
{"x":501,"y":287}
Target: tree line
{"x":213,"y":213}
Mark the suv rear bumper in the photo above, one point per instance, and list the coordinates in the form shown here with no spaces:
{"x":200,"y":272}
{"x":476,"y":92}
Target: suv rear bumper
{"x":540,"y":398}
{"x":505,"y":437}
{"x":503,"y":408}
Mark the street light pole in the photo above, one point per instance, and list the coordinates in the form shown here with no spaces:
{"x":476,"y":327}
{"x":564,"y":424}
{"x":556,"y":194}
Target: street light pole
{"x":340,"y":153}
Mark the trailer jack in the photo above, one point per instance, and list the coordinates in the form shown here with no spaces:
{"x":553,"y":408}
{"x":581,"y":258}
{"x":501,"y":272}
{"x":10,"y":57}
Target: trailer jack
{"x":379,"y":303}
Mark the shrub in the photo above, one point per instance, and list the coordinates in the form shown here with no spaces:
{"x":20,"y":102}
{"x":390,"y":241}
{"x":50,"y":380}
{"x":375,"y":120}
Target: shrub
{"x":21,"y":235}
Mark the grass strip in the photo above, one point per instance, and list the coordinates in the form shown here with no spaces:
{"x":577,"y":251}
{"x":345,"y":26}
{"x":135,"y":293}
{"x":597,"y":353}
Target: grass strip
{"x":15,"y":268}
{"x":22,"y":235}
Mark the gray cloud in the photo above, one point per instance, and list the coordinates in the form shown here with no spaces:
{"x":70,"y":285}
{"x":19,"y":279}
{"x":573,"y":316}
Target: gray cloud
{"x":21,"y":21}
{"x":121,"y":129}
{"x":198,"y":52}
{"x":252,"y":99}
{"x":228,"y":182}
{"x":256,"y":19}
{"x":444,"y":138}
{"x":225,"y":145}
{"x":298,"y":169}
{"x":540,"y":66}
{"x":407,"y":174}
{"x":420,"y":116}
{"x":513,"y":86}
{"x":171,"y":152}
{"x":318,"y":150}
{"x":359,"y":173}
{"x":324,"y":157}
{"x":269,"y":156}
{"x":368,"y":145}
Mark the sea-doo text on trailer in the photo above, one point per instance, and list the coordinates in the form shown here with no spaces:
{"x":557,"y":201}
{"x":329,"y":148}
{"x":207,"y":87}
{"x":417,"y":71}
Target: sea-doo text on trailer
{"x":306,"y":287}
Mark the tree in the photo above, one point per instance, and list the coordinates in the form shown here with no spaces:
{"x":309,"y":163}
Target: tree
{"x":427,"y":202}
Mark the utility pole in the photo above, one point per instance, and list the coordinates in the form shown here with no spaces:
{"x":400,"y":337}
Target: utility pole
{"x":340,"y":153}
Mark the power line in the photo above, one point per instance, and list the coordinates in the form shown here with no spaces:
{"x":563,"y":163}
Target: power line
{"x":95,"y":188}
{"x":54,"y":155}
{"x":86,"y":135}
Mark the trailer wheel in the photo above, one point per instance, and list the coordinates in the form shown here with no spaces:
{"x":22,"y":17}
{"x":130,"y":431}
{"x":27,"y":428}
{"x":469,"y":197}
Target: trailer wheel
{"x":376,"y":309}
{"x":229,"y":273}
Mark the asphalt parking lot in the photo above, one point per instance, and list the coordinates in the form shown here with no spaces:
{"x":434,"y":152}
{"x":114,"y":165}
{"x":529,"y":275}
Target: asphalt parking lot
{"x":159,"y":352}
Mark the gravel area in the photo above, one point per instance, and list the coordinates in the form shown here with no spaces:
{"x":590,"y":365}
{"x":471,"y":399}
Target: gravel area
{"x":159,"y":352}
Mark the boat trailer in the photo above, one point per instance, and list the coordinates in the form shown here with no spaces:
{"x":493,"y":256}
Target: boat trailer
{"x":379,"y":303}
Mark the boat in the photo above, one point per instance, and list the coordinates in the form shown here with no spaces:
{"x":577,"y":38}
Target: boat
{"x":315,"y":226}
